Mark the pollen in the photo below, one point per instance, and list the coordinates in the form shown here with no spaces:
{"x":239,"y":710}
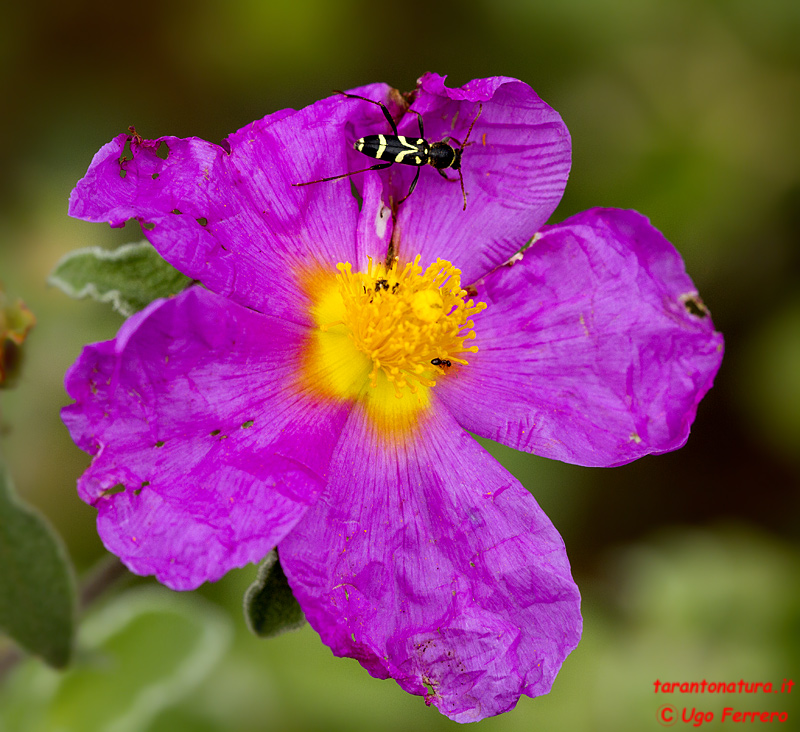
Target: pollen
{"x":412,"y":325}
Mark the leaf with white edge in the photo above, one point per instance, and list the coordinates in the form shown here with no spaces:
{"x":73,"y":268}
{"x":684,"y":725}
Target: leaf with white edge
{"x":270,"y":608}
{"x":139,"y":655}
{"x":37,"y":587}
{"x":129,"y":277}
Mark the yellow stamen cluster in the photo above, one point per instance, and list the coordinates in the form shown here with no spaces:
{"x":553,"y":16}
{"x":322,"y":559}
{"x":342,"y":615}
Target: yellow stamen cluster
{"x":404,"y":319}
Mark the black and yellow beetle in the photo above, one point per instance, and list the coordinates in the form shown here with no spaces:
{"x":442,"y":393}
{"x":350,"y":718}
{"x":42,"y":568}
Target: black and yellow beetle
{"x":396,"y":148}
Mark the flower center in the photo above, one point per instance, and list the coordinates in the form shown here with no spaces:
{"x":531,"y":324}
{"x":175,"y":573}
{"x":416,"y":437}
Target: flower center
{"x":412,"y":324}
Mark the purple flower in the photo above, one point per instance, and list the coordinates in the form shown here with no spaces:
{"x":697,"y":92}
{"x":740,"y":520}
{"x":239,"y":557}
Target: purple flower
{"x":302,"y":398}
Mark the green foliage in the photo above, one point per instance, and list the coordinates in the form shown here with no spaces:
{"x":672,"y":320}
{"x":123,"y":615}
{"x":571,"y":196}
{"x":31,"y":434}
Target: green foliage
{"x":768,"y":380}
{"x":129,"y":277}
{"x":269,"y":605}
{"x":140,"y":655}
{"x":15,"y":322}
{"x":37,"y":589}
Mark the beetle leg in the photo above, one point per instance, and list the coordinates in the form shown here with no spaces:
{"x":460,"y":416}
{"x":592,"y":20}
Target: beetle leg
{"x":413,"y":186}
{"x":372,"y":101}
{"x":379,"y":166}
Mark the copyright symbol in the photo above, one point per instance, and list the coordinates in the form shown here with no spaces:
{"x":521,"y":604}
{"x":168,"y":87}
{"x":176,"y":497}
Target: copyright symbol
{"x":665,"y":715}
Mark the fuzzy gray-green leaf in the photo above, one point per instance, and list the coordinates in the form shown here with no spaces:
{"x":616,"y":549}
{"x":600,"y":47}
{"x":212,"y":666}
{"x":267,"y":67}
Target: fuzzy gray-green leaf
{"x":37,"y":588}
{"x":129,"y":277}
{"x":270,"y":607}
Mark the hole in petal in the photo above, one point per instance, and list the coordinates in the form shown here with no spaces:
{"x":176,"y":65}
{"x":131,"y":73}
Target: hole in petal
{"x":118,"y":488}
{"x":694,"y":305}
{"x":202,"y":221}
{"x":124,"y":157}
{"x":149,"y":225}
{"x":162,"y":150}
{"x":160,"y":443}
{"x":430,"y":687}
{"x":355,"y":194}
{"x":176,"y":211}
{"x":214,"y":433}
{"x":246,"y":425}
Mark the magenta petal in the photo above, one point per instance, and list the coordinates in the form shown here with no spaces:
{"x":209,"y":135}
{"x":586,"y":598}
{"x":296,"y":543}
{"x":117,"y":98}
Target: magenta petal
{"x":595,"y":348}
{"x":430,"y":564}
{"x":230,"y":216}
{"x":515,"y":170}
{"x":192,"y":409}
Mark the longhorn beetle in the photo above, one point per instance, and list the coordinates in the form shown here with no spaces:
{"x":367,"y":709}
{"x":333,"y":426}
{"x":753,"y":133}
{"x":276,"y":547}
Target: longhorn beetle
{"x":396,"y":148}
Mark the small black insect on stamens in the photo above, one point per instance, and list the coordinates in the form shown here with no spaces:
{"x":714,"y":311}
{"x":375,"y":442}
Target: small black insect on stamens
{"x":381,"y":285}
{"x":396,"y":148}
{"x":440,"y":362}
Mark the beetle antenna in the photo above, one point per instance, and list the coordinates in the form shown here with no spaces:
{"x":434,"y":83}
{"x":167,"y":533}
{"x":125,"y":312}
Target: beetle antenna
{"x":469,"y":131}
{"x":343,"y":175}
{"x":466,"y":142}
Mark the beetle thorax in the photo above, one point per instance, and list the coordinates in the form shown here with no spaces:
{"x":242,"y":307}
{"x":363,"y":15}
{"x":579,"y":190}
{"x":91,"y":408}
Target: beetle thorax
{"x":443,"y":156}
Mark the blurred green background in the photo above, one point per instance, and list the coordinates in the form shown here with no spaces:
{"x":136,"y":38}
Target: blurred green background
{"x":687,"y":110}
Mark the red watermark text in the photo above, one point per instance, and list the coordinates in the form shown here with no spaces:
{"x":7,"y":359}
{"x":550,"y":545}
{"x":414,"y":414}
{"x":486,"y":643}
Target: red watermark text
{"x":723,"y":687}
{"x":696,"y":716}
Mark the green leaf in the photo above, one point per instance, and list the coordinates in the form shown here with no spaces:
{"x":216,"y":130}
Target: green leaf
{"x":139,"y":655}
{"x":129,"y":277}
{"x":37,"y":587}
{"x":269,"y":605}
